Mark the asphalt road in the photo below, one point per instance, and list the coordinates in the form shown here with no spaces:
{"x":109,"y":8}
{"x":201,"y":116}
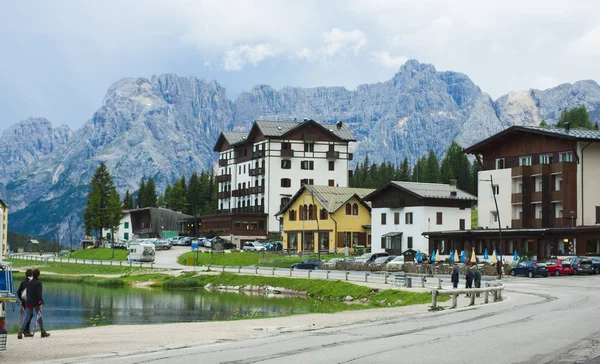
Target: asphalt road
{"x":541,"y":320}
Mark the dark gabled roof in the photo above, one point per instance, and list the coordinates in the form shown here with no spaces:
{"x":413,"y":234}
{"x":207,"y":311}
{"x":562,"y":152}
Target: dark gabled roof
{"x":561,"y":133}
{"x":331,"y":198}
{"x":231,"y":137}
{"x":426,"y":190}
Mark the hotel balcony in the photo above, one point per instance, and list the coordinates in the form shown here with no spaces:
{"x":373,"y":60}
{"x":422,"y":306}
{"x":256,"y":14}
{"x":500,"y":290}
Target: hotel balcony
{"x":287,"y":153}
{"x":557,"y":195}
{"x":516,"y":224}
{"x":223,"y":178}
{"x":258,"y":154}
{"x":223,"y":195}
{"x":536,"y":196}
{"x":223,"y":162}
{"x":256,"y":190}
{"x":332,"y":154}
{"x":257,"y":172}
{"x":517,"y":198}
{"x":535,"y":223}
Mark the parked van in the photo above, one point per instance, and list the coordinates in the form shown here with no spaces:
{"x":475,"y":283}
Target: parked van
{"x":142,"y":252}
{"x":370,"y":257}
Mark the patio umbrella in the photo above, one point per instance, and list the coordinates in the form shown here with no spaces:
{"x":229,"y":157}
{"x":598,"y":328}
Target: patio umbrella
{"x":432,"y":259}
{"x":437,"y":254}
{"x":463,"y":256}
{"x":419,"y":258}
{"x":451,"y":256}
{"x":473,"y":256}
{"x":485,"y":254}
{"x":493,"y":258}
{"x":516,"y":256}
{"x":456,"y":256}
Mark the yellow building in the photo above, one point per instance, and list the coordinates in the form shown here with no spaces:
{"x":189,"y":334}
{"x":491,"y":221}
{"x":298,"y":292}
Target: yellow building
{"x":3,"y":228}
{"x":326,"y":218}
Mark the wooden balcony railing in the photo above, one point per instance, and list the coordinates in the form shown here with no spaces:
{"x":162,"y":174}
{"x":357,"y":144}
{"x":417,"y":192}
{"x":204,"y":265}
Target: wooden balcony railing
{"x":332,"y":154}
{"x":257,"y":172}
{"x":287,"y":153}
{"x":223,"y":162}
{"x":224,"y":178}
{"x":517,"y":198}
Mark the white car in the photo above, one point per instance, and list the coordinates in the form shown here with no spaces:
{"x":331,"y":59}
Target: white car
{"x":396,"y":262}
{"x":253,"y":246}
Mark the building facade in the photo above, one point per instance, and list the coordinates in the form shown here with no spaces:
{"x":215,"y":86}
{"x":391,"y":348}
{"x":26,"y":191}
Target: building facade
{"x":402,"y":211}
{"x":149,"y":222}
{"x":544,"y":182}
{"x":3,"y":229}
{"x":259,"y":171}
{"x":327,"y":219}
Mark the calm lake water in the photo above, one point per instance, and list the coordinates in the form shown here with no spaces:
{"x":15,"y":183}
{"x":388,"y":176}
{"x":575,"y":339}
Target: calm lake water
{"x":69,"y":305}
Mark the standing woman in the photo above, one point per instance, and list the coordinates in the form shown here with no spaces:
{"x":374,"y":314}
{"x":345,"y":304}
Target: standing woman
{"x":22,"y":286}
{"x":34,"y":301}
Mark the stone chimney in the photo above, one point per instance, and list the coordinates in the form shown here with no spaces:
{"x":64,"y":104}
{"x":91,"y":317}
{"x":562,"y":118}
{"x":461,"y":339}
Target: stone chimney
{"x":453,"y":187}
{"x":567,"y":126}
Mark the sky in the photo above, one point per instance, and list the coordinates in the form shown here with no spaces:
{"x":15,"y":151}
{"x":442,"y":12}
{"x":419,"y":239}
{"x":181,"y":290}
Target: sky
{"x":58,"y":58}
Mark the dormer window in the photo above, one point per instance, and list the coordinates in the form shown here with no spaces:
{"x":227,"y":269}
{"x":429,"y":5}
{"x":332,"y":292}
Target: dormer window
{"x":545,"y":158}
{"x":499,"y":163}
{"x":525,"y":160}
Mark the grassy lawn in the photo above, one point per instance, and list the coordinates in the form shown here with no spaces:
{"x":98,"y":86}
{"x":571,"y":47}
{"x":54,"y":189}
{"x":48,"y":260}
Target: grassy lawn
{"x":243,"y":259}
{"x":100,"y":254}
{"x":72,"y":268}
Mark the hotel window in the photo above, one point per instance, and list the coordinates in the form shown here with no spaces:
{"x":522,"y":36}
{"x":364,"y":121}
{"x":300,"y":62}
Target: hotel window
{"x":560,"y":213}
{"x":520,"y":188}
{"x":355,"y":209}
{"x":286,"y":182}
{"x":545,"y":158}
{"x":408,"y":218}
{"x":286,"y":146}
{"x":286,"y":164}
{"x":307,"y":165}
{"x":494,"y":216}
{"x":309,"y":147}
{"x":499,"y":163}
{"x":396,"y":218}
{"x":438,"y":218}
{"x":331,"y":183}
{"x":126,"y":225}
{"x":565,"y":157}
{"x":525,"y":160}
{"x":496,"y":189}
{"x":383,"y":218}
{"x":540,"y":214}
{"x":332,"y":165}
{"x":409,"y":242}
{"x":540,"y":186}
{"x":307,"y":181}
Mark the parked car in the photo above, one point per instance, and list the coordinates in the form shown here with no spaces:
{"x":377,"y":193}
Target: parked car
{"x":162,"y":244}
{"x":530,"y":268}
{"x":370,"y":257}
{"x":253,"y":246}
{"x":559,"y":267}
{"x":332,"y":262}
{"x":64,"y":252}
{"x":384,"y":259}
{"x":582,"y":265}
{"x":596,"y":265}
{"x":396,"y":262}
{"x":307,"y":264}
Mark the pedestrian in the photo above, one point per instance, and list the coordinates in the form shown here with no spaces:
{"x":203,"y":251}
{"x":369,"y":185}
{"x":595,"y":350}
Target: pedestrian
{"x":35,"y":301}
{"x":499,"y":269}
{"x":477,"y":278}
{"x":454,"y":276}
{"x":469,"y":280}
{"x":28,"y":277}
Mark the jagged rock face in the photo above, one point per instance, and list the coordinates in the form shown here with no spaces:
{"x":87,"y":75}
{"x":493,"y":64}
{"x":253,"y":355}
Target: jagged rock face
{"x":26,"y":142}
{"x":166,"y":126}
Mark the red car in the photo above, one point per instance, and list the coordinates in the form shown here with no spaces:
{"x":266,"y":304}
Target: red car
{"x":559,"y":267}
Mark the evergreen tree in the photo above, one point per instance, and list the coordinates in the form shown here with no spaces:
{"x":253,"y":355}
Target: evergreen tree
{"x":161,"y":201}
{"x":184,"y":184}
{"x":128,"y":201}
{"x":175,"y":199}
{"x":141,"y":199}
{"x":103,"y":208}
{"x":543,"y":124}
{"x":419,"y":170}
{"x":404,"y":172}
{"x":195,"y":195}
{"x":432,"y":169}
{"x":150,"y":199}
{"x":577,"y":117}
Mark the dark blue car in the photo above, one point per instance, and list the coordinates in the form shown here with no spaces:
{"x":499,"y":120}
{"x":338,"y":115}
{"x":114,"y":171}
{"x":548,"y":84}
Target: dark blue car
{"x":530,"y":269}
{"x":307,"y":264}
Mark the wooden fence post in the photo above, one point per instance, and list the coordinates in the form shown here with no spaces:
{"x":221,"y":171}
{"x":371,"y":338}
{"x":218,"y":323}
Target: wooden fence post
{"x":454,"y":297}
{"x":434,"y":294}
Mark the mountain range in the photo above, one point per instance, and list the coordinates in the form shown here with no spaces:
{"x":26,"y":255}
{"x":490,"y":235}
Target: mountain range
{"x":166,"y":126}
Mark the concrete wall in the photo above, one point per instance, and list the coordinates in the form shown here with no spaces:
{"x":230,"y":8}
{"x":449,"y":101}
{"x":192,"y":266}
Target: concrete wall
{"x":485,"y":199}
{"x":588,"y":175}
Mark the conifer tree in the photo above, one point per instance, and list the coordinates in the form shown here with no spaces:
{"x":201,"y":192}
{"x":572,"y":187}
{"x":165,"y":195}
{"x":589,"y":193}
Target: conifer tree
{"x":404,"y":172}
{"x":128,"y":201}
{"x":577,"y":117}
{"x":432,"y":169}
{"x":150,"y":198}
{"x":141,"y":195}
{"x":103,"y":208}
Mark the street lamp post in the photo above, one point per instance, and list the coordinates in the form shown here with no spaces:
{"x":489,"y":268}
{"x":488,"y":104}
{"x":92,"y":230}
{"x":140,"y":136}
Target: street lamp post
{"x":498,"y":215}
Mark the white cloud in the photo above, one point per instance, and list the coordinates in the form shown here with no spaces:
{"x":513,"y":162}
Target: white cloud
{"x":588,"y":44}
{"x":339,"y":41}
{"x":235,"y":59}
{"x":386,"y":60}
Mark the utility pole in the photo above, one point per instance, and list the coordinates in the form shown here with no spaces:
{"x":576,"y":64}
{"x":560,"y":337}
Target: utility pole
{"x":497,"y":214}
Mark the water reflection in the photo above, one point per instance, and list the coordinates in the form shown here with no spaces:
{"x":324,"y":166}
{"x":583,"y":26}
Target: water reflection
{"x":71,"y":305}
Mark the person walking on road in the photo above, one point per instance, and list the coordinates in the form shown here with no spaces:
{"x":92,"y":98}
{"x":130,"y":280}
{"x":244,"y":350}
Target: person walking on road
{"x":477,"y":278}
{"x":469,"y":279}
{"x":28,"y":277}
{"x":499,"y":269}
{"x":34,"y":301}
{"x":454,"y":276}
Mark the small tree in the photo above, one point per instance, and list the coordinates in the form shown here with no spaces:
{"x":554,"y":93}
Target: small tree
{"x":103,"y":208}
{"x":128,"y":201}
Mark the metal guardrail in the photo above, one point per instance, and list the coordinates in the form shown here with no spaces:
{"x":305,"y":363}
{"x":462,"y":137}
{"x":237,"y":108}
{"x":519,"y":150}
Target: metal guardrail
{"x":44,"y":259}
{"x":472,"y":292}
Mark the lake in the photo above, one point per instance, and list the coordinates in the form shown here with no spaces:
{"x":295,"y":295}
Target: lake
{"x":70,"y":305}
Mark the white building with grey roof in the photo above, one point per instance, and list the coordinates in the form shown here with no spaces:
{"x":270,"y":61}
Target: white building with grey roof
{"x":260,"y":170}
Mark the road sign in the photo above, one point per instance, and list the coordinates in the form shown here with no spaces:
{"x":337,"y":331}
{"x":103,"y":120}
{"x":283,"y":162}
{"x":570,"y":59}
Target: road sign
{"x":194,"y":247}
